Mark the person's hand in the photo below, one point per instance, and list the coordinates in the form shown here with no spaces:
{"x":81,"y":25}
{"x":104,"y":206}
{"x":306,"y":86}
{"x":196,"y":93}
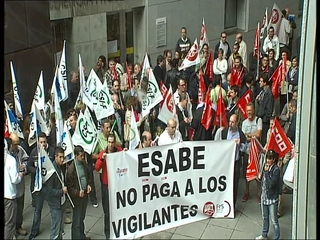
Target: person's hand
{"x":65,"y":190}
{"x":89,"y":189}
{"x":81,"y":193}
{"x":237,"y":141}
{"x":266,"y":167}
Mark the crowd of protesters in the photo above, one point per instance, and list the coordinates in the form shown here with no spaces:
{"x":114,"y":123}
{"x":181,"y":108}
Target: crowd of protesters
{"x":229,"y":59}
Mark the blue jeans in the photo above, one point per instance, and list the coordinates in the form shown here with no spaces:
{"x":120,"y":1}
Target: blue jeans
{"x":270,"y":210}
{"x":55,"y":223}
{"x":105,"y":206}
{"x":39,"y":199}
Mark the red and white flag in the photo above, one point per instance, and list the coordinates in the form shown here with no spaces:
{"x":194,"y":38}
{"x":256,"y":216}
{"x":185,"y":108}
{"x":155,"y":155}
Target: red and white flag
{"x":279,"y":141}
{"x":168,"y":108}
{"x":275,"y":19}
{"x":264,"y":23}
{"x":254,"y":158}
{"x":221,"y":114}
{"x":192,"y":57}
{"x":209,"y":67}
{"x":203,"y":36}
{"x":243,"y":101}
{"x":236,"y":76}
{"x":256,"y":47}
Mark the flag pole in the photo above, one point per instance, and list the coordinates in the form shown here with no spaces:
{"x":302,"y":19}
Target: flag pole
{"x":62,"y":183}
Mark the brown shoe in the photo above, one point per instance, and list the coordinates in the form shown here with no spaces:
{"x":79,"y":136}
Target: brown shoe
{"x":67,"y":220}
{"x":22,"y":232}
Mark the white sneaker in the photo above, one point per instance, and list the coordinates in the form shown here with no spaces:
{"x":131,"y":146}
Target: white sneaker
{"x":260,"y":237}
{"x":95,"y":205}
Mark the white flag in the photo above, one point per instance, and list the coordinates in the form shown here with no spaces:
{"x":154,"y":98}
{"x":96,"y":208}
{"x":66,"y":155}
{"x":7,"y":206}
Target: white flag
{"x":145,"y":67}
{"x":17,"y":103}
{"x":134,"y":139}
{"x":85,"y":133}
{"x":37,"y":125}
{"x":39,"y":95}
{"x":275,"y":19}
{"x":192,"y":57}
{"x":203,"y":36}
{"x":153,"y":96}
{"x":90,"y":90}
{"x":104,"y":107}
{"x":168,"y":108}
{"x":47,"y":168}
{"x":12,"y":121}
{"x":62,"y":75}
{"x":38,"y":176}
{"x":84,"y":89}
{"x":66,"y":143}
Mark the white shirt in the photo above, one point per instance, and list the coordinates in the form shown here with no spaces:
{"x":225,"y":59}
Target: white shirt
{"x":243,"y":53}
{"x":221,"y":67}
{"x":165,"y":139}
{"x":189,"y":105}
{"x":272,"y":43}
{"x":249,"y":127}
{"x":11,"y":176}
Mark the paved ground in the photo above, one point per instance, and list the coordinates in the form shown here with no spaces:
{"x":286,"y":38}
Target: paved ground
{"x":246,"y":225}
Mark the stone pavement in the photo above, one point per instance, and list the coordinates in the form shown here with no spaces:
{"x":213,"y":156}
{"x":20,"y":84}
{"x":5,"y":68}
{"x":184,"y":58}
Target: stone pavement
{"x":246,"y":225}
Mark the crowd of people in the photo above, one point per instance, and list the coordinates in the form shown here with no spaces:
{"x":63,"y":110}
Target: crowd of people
{"x":75,"y":180}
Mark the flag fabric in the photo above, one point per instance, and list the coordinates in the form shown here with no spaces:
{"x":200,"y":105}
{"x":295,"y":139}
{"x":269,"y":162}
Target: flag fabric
{"x":38,"y":175}
{"x":47,"y":168}
{"x":256,"y":47}
{"x":89,"y":90}
{"x":85,"y":133}
{"x":163,"y":90}
{"x":243,"y":101}
{"x":202,"y":88}
{"x":221,"y":113}
{"x":104,"y":107}
{"x":275,"y":19}
{"x":58,"y":117}
{"x":145,"y":67}
{"x":62,"y":74}
{"x":134,"y":139}
{"x":66,"y":143}
{"x":208,"y":112}
{"x":192,"y":57}
{"x":12,"y":123}
{"x":279,"y":141}
{"x":37,"y":125}
{"x":253,"y":167}
{"x":277,"y":77}
{"x":17,"y":103}
{"x":168,"y":108}
{"x":236,"y":76}
{"x":129,"y":75}
{"x":39,"y":95}
{"x":209,"y":67}
{"x":264,"y":23}
{"x":203,"y":36}
{"x":152,"y":97}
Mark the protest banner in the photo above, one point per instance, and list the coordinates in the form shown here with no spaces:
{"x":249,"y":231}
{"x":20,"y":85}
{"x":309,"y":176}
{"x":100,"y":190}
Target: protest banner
{"x":157,"y":188}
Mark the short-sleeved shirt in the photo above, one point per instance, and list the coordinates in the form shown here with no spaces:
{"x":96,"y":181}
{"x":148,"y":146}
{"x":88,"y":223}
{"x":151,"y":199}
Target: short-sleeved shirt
{"x":249,"y":127}
{"x":166,"y":139}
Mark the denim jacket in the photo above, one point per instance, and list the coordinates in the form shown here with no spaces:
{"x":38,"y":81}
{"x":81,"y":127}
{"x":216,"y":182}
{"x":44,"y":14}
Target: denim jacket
{"x":273,"y":182}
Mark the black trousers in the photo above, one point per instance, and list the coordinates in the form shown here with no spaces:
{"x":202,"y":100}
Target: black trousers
{"x":236,"y":178}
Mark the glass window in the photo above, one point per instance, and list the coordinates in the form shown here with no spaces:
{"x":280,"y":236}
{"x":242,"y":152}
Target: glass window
{"x":230,"y":14}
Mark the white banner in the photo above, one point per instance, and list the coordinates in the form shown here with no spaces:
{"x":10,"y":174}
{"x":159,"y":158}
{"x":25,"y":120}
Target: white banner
{"x":39,"y":95}
{"x":157,"y":188}
{"x":192,"y":57}
{"x":62,"y":75}
{"x":104,"y":107}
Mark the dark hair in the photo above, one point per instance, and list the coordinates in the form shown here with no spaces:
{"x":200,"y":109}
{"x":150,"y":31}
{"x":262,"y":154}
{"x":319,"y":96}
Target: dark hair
{"x":59,"y":150}
{"x":271,"y":154}
{"x":160,"y":58}
{"x":236,"y":89}
{"x":103,"y":59}
{"x":77,"y":150}
{"x":42,"y":135}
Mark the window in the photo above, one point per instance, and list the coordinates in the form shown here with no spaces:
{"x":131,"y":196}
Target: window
{"x":230,"y":14}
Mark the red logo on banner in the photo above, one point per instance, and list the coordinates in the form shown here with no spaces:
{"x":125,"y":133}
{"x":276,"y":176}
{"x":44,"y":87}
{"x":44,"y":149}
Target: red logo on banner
{"x":193,"y":53}
{"x":275,"y":16}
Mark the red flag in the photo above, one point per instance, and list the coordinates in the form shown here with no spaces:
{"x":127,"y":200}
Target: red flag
{"x":236,"y":76}
{"x":277,"y":77}
{"x":256,"y":47}
{"x":254,"y":157}
{"x":202,"y":88}
{"x":114,"y":71}
{"x":221,"y":114}
{"x":203,"y":36}
{"x":207,"y":116}
{"x":279,"y":142}
{"x":243,"y":101}
{"x":209,"y":67}
{"x":129,"y":76}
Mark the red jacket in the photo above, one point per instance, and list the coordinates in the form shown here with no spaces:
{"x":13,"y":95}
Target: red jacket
{"x":101,"y":164}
